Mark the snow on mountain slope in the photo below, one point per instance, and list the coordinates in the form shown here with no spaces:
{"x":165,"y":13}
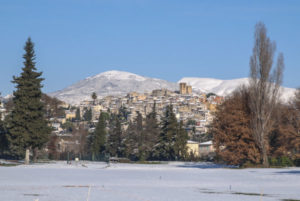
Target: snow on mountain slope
{"x":110,"y":83}
{"x":226,"y":87}
{"x":120,"y":83}
{"x":219,"y":87}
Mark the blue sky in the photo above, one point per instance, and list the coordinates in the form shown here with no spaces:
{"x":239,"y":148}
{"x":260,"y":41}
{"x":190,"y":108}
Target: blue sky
{"x":167,"y":39}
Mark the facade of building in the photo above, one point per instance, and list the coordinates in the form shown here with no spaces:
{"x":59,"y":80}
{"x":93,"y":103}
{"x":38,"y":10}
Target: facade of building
{"x":193,"y":148}
{"x":206,"y":149}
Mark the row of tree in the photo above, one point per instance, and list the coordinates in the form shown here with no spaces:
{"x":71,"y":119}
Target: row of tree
{"x":144,"y":139}
{"x":26,"y":128}
{"x":252,"y":125}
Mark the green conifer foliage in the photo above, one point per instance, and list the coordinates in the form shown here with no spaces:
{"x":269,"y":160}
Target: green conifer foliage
{"x":99,"y":138}
{"x":151,"y":133}
{"x":180,"y":142}
{"x":130,"y":142}
{"x":27,"y":125}
{"x":88,"y":115}
{"x":115,"y":139}
{"x":165,"y":149}
{"x":77,"y":117}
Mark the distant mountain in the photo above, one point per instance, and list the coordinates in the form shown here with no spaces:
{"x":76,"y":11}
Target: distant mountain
{"x":226,"y":87}
{"x":110,"y":83}
{"x":6,"y":98}
{"x":120,"y":83}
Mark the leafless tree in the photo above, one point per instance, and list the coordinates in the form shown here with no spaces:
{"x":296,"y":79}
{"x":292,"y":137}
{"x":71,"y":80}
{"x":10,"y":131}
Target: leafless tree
{"x":264,"y":88}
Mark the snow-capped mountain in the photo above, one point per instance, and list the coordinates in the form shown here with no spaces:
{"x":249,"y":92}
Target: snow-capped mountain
{"x":226,"y":87}
{"x":120,"y":83}
{"x":6,"y":98}
{"x":219,"y":87}
{"x":111,"y":83}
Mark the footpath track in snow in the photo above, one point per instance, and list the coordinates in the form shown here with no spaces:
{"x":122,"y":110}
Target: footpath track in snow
{"x":94,"y":181}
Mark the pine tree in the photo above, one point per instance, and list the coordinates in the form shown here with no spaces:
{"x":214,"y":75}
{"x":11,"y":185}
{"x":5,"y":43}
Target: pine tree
{"x":77,"y":117}
{"x":88,"y":115}
{"x":27,"y":126}
{"x":165,"y":149}
{"x":180,"y":142}
{"x":139,"y":130}
{"x":99,"y":138}
{"x":151,"y":132}
{"x":115,"y":139}
{"x":130,"y":142}
{"x":123,"y":114}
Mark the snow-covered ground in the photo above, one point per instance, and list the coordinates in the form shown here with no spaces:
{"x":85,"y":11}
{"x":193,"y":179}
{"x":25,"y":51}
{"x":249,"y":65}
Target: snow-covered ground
{"x":176,"y":181}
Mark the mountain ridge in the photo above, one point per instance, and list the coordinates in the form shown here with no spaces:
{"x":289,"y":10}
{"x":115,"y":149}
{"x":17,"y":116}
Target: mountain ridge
{"x":110,"y":83}
{"x":226,"y":87}
{"x":120,"y":83}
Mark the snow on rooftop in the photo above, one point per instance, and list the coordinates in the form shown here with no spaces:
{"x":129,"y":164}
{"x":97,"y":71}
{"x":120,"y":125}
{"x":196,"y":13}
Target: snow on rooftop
{"x":206,"y":143}
{"x":192,"y":142}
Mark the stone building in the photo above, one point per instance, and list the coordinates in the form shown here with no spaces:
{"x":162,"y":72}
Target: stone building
{"x":185,"y":89}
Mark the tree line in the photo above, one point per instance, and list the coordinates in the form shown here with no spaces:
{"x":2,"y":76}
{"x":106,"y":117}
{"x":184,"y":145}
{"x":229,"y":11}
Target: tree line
{"x":253,"y":126}
{"x":143,"y":139}
{"x":26,"y":128}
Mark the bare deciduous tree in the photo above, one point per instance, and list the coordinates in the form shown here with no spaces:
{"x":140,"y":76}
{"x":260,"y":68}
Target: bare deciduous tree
{"x":264,"y":88}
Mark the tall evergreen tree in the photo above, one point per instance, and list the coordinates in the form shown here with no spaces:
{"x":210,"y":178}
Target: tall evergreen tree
{"x":180,"y":142}
{"x":77,"y":117}
{"x":165,"y":149}
{"x":139,"y":130}
{"x":88,"y":115}
{"x":123,"y":114}
{"x":151,"y":132}
{"x":130,"y":142}
{"x":27,"y":126}
{"x":99,"y":137}
{"x":115,"y":139}
{"x":134,"y":139}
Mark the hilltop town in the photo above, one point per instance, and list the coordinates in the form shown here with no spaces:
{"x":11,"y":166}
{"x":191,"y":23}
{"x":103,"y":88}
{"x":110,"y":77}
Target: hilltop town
{"x":194,"y":109}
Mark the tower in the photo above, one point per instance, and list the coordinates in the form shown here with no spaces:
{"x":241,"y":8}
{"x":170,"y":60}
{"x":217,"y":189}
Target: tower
{"x":182,"y":87}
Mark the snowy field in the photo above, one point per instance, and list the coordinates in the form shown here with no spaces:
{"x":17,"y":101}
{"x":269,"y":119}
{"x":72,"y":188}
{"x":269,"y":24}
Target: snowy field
{"x":88,"y":181}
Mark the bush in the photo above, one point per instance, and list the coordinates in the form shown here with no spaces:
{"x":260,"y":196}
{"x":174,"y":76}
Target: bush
{"x":282,"y":161}
{"x":285,"y":161}
{"x":273,"y":162}
{"x":297,"y":162}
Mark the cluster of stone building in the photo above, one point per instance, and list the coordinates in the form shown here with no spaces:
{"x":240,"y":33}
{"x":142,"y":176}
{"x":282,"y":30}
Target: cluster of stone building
{"x":195,"y":108}
{"x":188,"y":106}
